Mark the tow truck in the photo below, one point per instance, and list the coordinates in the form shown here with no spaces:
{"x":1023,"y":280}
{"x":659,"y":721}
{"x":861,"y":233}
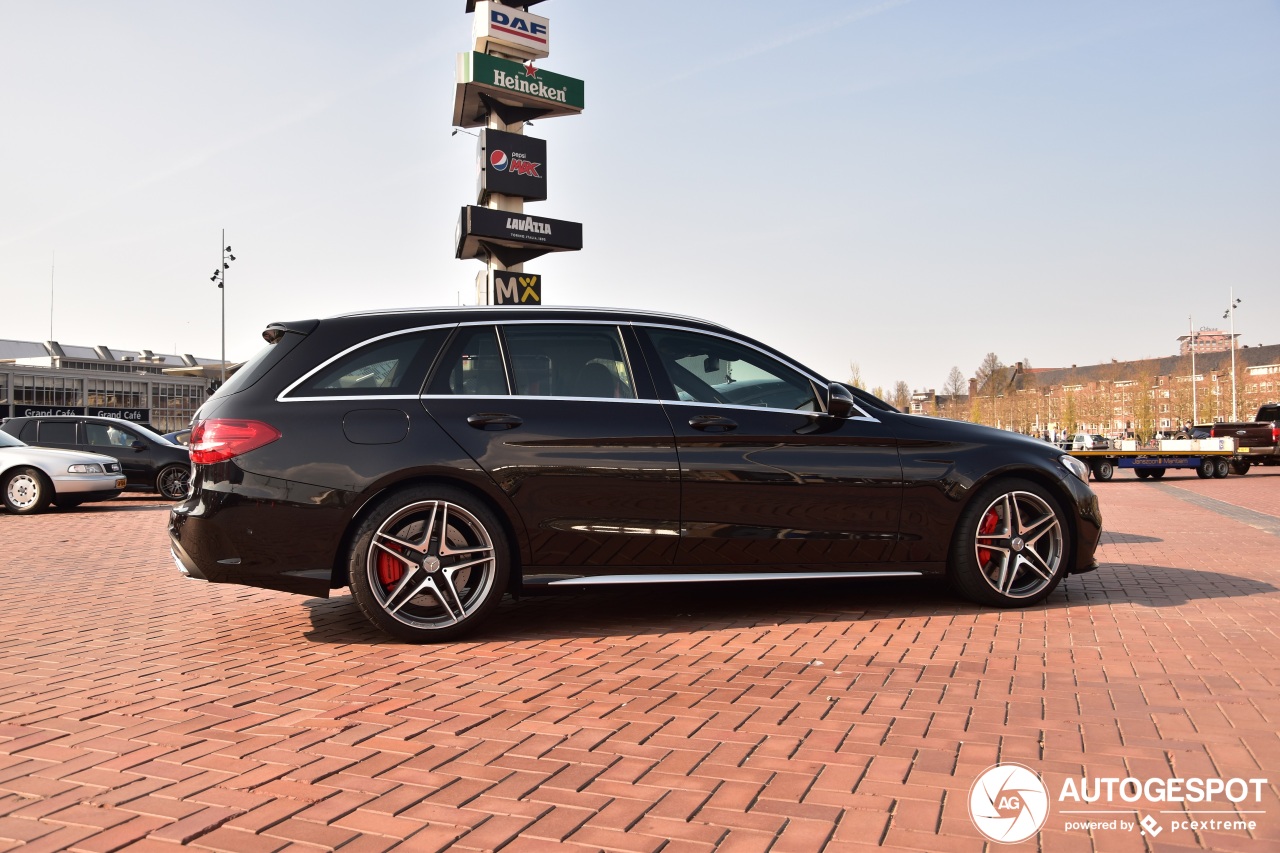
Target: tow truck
{"x":1210,"y":457}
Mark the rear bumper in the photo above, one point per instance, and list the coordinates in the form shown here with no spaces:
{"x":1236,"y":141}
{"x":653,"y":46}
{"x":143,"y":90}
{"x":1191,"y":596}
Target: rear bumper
{"x":270,"y":534}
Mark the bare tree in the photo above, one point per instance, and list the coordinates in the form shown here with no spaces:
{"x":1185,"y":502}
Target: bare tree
{"x":855,"y":375}
{"x":955,"y":386}
{"x":901,"y":396}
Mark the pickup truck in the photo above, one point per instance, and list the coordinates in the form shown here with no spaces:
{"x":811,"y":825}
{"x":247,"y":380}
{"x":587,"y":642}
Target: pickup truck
{"x":1256,"y":442}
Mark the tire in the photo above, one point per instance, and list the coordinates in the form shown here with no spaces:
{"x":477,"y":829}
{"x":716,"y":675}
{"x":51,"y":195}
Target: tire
{"x":1007,"y":564}
{"x":173,"y":481}
{"x":25,"y":491}
{"x":429,"y":564}
{"x":1142,"y":473}
{"x":1221,"y":468}
{"x":1240,"y":466}
{"x":1205,"y":469}
{"x":1103,"y":470}
{"x":1155,"y":473}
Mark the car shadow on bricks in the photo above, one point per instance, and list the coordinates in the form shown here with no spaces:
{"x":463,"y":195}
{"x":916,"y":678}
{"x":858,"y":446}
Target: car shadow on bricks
{"x":1110,"y":538}
{"x":674,"y":608}
{"x":692,"y":607}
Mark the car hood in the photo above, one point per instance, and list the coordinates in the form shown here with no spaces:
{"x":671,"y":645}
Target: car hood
{"x":949,"y":430}
{"x":52,"y":456}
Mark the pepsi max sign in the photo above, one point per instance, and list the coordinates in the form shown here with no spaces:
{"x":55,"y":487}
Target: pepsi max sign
{"x":510,"y":31}
{"x":512,"y":164}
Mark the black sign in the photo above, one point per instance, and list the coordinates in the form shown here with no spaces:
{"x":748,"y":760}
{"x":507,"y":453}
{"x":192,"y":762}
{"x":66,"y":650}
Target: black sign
{"x":516,"y":288}
{"x":47,"y":411}
{"x":138,"y":416}
{"x":512,"y":164}
{"x":513,"y":238}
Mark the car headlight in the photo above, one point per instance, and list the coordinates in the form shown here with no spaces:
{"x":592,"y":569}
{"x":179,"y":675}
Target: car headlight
{"x":88,"y":468}
{"x":1075,"y":466}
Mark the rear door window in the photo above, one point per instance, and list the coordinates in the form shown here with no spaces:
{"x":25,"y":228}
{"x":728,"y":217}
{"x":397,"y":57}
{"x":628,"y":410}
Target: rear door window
{"x":568,"y":360}
{"x":57,"y":432}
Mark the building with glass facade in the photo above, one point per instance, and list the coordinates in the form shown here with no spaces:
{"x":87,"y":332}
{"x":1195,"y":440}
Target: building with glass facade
{"x":162,"y":390}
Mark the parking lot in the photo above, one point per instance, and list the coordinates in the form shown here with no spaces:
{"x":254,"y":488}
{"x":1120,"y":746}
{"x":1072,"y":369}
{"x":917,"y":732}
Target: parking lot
{"x":139,"y":709}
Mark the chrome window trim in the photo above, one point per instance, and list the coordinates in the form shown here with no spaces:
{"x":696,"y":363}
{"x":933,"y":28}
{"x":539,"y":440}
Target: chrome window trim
{"x":530,"y":397}
{"x":283,"y":396}
{"x":817,"y":380}
{"x":502,"y":355}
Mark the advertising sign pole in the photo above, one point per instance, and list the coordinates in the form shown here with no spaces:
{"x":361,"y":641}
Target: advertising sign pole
{"x":500,"y":89}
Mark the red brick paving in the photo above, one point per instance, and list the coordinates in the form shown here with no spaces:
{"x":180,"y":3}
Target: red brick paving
{"x":141,"y":711}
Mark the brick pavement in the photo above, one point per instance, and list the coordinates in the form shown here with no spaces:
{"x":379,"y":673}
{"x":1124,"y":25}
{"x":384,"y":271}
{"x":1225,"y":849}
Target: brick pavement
{"x":142,"y":711}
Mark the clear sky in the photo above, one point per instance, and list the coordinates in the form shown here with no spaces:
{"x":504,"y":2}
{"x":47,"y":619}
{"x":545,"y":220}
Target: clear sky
{"x":904,"y":184}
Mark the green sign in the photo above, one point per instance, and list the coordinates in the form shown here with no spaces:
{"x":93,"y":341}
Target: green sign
{"x":513,"y":83}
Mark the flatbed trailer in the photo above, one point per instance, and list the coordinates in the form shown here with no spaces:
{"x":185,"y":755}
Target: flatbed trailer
{"x":1209,"y":457}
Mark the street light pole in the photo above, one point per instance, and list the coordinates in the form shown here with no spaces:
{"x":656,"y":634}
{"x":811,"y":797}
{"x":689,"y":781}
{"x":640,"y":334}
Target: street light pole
{"x":1191,"y":339}
{"x":219,"y":278}
{"x":1231,"y":312}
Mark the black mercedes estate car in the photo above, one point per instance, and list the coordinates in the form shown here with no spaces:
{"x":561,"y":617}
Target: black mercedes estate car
{"x":433,"y":460}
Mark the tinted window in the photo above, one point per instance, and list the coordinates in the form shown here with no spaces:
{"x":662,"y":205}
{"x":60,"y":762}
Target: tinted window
{"x":709,"y":369}
{"x":104,"y":435}
{"x":394,"y":365}
{"x":471,"y":365}
{"x":57,"y":432}
{"x":568,"y":361}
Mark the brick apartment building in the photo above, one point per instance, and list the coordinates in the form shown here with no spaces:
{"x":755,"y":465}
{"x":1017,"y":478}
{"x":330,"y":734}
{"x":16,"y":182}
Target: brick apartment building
{"x":1117,"y":398}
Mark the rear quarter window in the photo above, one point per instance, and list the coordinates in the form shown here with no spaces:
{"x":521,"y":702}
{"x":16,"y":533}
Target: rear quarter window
{"x":396,"y":365}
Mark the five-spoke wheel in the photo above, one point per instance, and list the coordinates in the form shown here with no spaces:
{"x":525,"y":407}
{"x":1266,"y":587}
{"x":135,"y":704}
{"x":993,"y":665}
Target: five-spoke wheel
{"x":429,"y":563}
{"x":1011,"y":545}
{"x":172,"y":481}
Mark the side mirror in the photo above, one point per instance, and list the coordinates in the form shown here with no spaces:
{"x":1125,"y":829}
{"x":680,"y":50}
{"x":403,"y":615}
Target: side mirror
{"x":839,"y":401}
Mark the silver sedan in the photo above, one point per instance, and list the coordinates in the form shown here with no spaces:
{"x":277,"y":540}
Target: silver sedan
{"x":33,"y":477}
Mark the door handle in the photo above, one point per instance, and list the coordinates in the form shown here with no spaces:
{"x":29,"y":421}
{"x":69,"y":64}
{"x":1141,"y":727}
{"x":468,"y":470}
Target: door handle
{"x":493,"y":421}
{"x":712,"y":423}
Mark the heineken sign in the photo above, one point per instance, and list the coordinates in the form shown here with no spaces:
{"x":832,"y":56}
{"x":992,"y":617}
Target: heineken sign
{"x":530,"y":92}
{"x":513,"y":238}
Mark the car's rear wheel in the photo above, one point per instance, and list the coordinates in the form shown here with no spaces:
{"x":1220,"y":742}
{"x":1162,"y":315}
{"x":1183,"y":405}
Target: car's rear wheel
{"x":1010,"y":548}
{"x":172,"y":481}
{"x":25,"y":491}
{"x":429,"y":564}
{"x":1240,"y":466}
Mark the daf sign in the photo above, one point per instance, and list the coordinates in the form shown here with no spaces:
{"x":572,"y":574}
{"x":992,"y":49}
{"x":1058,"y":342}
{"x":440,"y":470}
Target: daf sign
{"x":510,"y":31}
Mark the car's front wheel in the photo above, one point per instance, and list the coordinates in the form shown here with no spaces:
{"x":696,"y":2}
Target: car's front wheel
{"x":429,"y":564}
{"x":1011,"y":546}
{"x":172,"y":481}
{"x":25,"y":491}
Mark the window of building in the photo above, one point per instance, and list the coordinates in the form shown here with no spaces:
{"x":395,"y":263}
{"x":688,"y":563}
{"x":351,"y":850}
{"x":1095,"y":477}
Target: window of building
{"x":48,"y":390}
{"x":116,"y":393}
{"x":174,"y":404}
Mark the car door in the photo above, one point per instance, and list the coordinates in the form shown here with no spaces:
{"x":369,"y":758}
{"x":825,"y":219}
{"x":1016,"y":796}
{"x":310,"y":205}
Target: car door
{"x":556,"y":415}
{"x":112,"y":439}
{"x":766,"y":478}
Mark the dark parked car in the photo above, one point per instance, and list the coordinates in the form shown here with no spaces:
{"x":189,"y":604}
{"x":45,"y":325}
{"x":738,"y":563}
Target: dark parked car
{"x":436,"y":459}
{"x":149,"y":461}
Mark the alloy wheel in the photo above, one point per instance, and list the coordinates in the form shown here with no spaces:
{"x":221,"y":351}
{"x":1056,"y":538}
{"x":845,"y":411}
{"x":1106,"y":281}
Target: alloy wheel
{"x":1019,"y":544}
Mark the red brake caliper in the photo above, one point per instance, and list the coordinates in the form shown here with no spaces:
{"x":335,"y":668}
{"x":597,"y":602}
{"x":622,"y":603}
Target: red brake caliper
{"x":990,"y":522}
{"x":390,"y":570}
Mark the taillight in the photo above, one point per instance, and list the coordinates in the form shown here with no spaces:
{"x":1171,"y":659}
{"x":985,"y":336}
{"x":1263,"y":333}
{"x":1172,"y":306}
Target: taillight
{"x":220,"y":439}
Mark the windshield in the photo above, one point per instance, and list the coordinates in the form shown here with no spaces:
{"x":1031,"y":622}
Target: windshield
{"x":7,"y":440}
